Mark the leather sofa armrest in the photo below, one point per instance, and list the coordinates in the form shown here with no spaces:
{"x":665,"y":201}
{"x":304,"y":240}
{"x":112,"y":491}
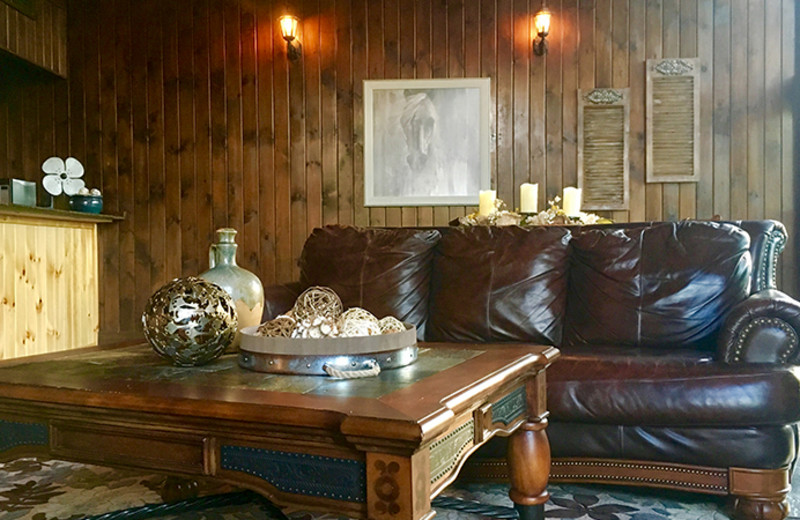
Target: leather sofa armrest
{"x":764,"y":328}
{"x":279,"y":299}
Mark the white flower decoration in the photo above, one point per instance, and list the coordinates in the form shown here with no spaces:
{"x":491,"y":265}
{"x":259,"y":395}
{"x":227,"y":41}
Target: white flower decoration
{"x":61,"y":176}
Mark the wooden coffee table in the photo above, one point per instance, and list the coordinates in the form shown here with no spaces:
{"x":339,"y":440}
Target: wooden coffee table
{"x":377,"y":448}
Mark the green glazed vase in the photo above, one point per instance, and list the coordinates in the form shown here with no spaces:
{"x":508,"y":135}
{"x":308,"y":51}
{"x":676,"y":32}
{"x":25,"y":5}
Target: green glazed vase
{"x":244,"y":287}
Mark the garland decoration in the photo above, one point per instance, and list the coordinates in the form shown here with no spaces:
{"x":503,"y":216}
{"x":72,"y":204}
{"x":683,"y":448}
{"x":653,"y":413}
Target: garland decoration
{"x":552,"y":216}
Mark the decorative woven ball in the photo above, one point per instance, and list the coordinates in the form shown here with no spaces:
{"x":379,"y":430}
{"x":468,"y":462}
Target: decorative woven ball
{"x":356,"y":321}
{"x":190,"y":321}
{"x":390,"y":324}
{"x":317,"y":301}
{"x":279,"y":327}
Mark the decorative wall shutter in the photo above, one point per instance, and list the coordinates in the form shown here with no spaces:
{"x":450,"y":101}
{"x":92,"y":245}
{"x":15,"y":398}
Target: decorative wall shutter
{"x":673,"y":120}
{"x":603,"y":129}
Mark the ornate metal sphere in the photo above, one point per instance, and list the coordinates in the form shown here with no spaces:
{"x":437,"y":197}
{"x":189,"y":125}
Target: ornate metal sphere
{"x":190,"y":321}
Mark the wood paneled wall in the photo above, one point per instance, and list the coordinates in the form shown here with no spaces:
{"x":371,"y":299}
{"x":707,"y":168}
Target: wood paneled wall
{"x":41,"y":40}
{"x":190,"y":117}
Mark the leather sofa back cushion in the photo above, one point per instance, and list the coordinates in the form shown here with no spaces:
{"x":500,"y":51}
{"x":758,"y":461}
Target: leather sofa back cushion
{"x":385,"y":271}
{"x":662,"y":286}
{"x":499,"y":284}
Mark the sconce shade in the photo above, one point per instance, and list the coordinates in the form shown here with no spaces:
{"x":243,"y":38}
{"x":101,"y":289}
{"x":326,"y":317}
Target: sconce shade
{"x":288,"y":27}
{"x":542,"y":22}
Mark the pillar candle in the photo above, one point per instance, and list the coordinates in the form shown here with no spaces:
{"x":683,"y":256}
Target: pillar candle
{"x":486,"y":202}
{"x":529,"y":198}
{"x":572,"y":201}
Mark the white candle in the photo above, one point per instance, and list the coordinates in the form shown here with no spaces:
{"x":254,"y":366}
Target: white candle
{"x":529,"y":198}
{"x":486,"y":200}
{"x":572,"y":201}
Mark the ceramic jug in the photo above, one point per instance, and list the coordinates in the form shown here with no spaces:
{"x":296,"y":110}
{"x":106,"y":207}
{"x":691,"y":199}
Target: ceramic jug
{"x":244,"y":287}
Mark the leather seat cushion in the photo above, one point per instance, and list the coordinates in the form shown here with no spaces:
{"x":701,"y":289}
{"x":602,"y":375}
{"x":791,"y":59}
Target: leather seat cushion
{"x":663,"y":286}
{"x":757,"y":447}
{"x":385,"y":271}
{"x":612,"y":385}
{"x":499,"y":284}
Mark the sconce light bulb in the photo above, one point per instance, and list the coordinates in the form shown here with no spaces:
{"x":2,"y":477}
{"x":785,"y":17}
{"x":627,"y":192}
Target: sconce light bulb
{"x":542,"y":22}
{"x":288,"y":27}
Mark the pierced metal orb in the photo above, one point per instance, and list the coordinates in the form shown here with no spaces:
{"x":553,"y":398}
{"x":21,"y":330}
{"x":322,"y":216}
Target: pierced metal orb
{"x":190,"y":321}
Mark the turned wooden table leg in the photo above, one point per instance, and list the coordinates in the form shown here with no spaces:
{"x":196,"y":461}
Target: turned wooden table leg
{"x":529,"y":469}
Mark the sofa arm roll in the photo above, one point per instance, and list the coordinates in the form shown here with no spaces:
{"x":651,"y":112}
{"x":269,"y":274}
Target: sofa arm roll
{"x":279,"y":299}
{"x":764,"y":328}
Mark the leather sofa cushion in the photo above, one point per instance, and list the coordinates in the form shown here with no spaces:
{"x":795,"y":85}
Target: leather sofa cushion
{"x":499,"y":284}
{"x":667,"y":285}
{"x":385,"y":271}
{"x":681,"y":388}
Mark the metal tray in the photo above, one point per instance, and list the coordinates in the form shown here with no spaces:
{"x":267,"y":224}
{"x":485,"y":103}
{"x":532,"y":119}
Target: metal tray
{"x":310,"y":356}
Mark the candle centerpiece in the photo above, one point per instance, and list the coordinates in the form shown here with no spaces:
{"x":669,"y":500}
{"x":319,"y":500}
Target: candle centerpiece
{"x":497,"y":214}
{"x":529,"y":198}
{"x":486,"y":202}
{"x":572,"y":201}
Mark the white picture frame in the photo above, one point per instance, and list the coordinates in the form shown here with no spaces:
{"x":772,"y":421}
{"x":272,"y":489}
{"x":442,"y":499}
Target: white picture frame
{"x":426,"y":141}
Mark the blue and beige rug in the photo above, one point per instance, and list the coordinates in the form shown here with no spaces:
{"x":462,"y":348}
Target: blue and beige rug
{"x":57,"y":490}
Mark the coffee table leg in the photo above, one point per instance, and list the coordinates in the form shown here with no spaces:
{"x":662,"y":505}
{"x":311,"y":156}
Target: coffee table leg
{"x":398,"y":487}
{"x":529,"y":469}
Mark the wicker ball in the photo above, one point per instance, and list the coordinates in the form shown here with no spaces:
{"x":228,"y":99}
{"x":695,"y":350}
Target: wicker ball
{"x":390,"y":324}
{"x":190,"y":321}
{"x":317,"y":301}
{"x":356,"y":321}
{"x":280,"y":327}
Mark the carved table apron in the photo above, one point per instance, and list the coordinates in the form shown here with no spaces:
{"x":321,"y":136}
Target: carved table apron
{"x":378,"y":448}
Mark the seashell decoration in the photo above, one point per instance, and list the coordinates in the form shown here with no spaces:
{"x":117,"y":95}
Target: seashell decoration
{"x":318,"y":313}
{"x":316,"y":327}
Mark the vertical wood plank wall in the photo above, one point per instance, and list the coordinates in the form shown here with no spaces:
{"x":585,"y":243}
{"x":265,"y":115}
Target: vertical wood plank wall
{"x":189,"y":116}
{"x":41,"y":40}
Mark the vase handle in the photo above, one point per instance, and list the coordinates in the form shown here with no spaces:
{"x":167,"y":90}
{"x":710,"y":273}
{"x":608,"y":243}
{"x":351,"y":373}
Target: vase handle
{"x":212,"y":256}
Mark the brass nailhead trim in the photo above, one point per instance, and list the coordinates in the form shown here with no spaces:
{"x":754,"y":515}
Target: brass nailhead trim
{"x":770,"y":322}
{"x":639,"y":479}
{"x":775,"y":243}
{"x":622,"y":478}
{"x":639,"y":466}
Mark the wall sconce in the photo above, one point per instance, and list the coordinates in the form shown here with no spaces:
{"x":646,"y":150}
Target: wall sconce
{"x":289,"y":25}
{"x":542,"y":23}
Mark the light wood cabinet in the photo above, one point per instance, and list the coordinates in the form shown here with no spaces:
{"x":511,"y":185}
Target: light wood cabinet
{"x":48,"y":280}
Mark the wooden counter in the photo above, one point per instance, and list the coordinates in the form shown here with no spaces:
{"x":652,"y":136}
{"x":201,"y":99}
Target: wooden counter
{"x":48,"y":280}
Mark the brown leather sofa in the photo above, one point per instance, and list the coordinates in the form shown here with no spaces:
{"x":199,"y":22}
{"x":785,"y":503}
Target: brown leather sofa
{"x":677,"y":350}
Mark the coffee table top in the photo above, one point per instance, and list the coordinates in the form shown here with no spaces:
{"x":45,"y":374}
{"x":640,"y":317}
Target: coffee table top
{"x":444,"y":380}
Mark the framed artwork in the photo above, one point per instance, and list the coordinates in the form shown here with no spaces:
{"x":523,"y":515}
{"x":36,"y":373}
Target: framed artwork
{"x":426,"y":141}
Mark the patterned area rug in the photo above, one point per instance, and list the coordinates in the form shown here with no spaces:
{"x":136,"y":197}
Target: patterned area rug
{"x":57,"y":490}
